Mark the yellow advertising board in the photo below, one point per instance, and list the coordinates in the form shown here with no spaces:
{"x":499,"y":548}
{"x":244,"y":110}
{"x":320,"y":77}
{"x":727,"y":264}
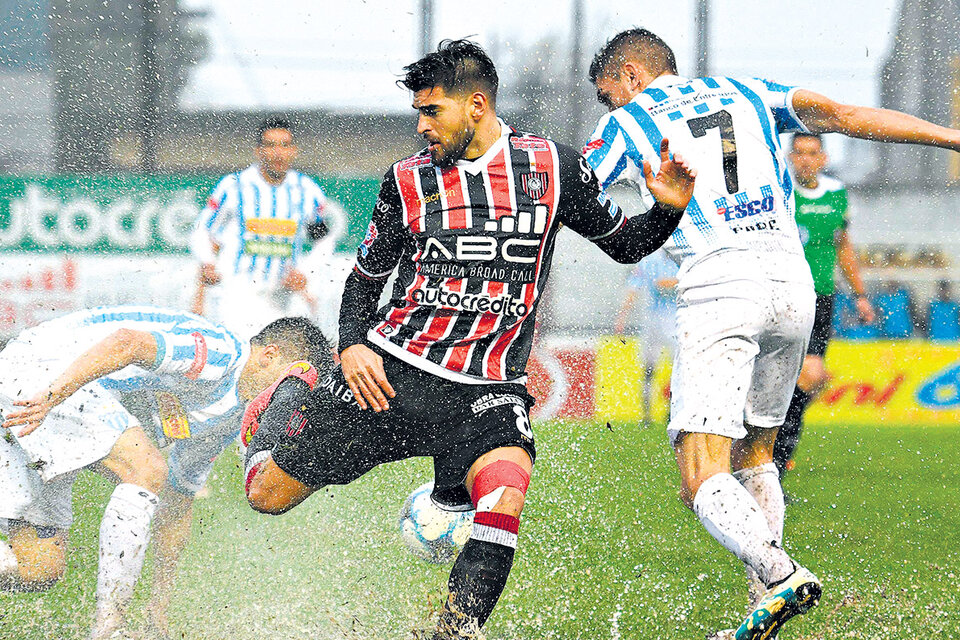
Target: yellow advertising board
{"x":890,"y":381}
{"x":618,"y":378}
{"x":897,"y":382}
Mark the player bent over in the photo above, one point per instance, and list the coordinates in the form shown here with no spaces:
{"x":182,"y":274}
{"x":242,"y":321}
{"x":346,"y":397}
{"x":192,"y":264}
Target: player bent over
{"x":96,"y":389}
{"x":745,"y":294}
{"x":470,"y":224}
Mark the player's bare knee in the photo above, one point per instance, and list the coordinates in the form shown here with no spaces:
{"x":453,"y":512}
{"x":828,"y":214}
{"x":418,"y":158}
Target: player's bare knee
{"x":41,"y":558}
{"x":150,"y":472}
{"x":511,"y":502}
{"x":138,"y":463}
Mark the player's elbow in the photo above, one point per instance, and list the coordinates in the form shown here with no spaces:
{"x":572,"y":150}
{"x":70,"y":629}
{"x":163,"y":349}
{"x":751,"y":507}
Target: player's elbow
{"x":262,"y":500}
{"x":266,"y":495}
{"x":135,"y":347}
{"x":841,"y":118}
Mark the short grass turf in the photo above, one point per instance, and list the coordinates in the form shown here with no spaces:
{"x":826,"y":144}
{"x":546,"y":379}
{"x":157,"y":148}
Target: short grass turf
{"x":606,"y":549}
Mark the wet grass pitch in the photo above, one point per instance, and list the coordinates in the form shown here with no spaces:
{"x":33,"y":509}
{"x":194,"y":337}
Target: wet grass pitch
{"x":606,"y":549}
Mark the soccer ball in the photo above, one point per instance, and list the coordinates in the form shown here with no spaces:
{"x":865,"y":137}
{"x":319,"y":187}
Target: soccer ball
{"x":429,"y":532}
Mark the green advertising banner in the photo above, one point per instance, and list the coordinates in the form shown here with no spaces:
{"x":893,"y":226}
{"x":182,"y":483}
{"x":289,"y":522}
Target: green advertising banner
{"x":135,"y":213}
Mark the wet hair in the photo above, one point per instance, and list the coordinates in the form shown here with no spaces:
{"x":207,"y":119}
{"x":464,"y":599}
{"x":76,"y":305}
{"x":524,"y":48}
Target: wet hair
{"x":638,"y":44}
{"x":298,"y":339}
{"x":457,"y":66}
{"x":803,"y":134}
{"x":273,"y":122}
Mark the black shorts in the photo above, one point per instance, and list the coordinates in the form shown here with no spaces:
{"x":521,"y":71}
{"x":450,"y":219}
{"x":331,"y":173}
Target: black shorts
{"x":452,"y":422}
{"x":822,"y":326}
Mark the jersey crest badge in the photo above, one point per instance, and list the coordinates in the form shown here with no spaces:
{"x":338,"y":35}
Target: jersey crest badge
{"x":534,"y":184}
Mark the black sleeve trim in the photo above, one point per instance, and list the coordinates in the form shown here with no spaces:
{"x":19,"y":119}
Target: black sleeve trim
{"x":642,"y":234}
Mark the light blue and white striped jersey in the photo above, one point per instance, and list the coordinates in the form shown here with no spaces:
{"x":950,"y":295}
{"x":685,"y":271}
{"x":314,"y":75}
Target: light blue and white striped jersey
{"x":197,"y":367}
{"x":259,"y":228}
{"x":727,"y":130}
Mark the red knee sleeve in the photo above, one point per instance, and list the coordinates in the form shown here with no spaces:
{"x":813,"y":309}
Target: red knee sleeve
{"x":251,"y":417}
{"x":501,"y":473}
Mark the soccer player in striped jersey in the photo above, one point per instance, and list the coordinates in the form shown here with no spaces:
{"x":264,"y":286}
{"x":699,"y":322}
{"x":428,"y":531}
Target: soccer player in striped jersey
{"x":469,"y":225}
{"x":746,"y":298}
{"x":97,"y":389}
{"x":250,"y":238}
{"x":822,"y":218}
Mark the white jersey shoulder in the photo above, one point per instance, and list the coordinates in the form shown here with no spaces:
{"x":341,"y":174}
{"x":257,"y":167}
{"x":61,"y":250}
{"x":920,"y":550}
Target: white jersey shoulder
{"x":197,"y":361}
{"x":728,"y":129}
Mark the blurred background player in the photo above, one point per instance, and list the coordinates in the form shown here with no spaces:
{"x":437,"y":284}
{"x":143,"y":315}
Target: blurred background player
{"x":469,"y":224}
{"x":652,"y":284}
{"x":745,"y":295}
{"x":97,"y":389}
{"x":822,"y":215}
{"x":251,"y":237}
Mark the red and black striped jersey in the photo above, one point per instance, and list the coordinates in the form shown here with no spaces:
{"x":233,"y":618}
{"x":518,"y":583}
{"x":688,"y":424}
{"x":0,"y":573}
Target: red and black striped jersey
{"x":472,"y":244}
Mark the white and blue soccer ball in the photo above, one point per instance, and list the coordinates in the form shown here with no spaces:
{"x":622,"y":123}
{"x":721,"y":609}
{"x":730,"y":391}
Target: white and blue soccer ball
{"x":429,"y":532}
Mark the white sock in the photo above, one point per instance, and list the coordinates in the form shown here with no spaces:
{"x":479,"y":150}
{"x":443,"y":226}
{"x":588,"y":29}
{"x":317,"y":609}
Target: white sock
{"x":763,"y":483}
{"x":124,"y":535}
{"x":734,"y":518}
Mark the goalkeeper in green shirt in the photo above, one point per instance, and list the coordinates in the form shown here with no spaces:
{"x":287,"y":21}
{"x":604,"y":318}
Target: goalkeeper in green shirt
{"x":821,"y":206}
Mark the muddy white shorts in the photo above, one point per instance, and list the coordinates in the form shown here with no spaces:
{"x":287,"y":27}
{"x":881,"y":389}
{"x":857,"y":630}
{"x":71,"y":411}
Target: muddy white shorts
{"x":78,"y":432}
{"x":740,"y":346}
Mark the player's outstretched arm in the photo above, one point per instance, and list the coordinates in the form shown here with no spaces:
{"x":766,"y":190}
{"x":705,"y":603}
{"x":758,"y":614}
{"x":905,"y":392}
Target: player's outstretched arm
{"x":673,"y":184}
{"x":823,"y":115}
{"x":121,"y":348}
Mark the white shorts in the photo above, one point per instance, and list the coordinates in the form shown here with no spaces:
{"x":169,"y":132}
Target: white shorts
{"x":78,"y":432}
{"x":740,"y":348}
{"x":27,"y":497}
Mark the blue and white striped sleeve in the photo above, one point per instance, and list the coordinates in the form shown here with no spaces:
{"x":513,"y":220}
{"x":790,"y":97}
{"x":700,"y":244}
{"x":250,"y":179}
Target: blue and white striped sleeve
{"x":314,"y":201}
{"x":611,"y":153}
{"x":221,"y":204}
{"x":220,"y":207}
{"x":196,"y":352}
{"x":779,"y":99}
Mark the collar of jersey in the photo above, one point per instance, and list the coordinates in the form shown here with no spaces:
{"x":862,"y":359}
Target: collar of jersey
{"x":824,"y":184}
{"x":255,"y":170}
{"x":477,"y":165}
{"x":664,"y":81}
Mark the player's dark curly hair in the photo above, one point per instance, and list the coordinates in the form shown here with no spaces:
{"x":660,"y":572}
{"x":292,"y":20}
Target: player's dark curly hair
{"x":273,"y":122}
{"x":642,"y":45}
{"x":457,"y":66}
{"x":299,"y":339}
